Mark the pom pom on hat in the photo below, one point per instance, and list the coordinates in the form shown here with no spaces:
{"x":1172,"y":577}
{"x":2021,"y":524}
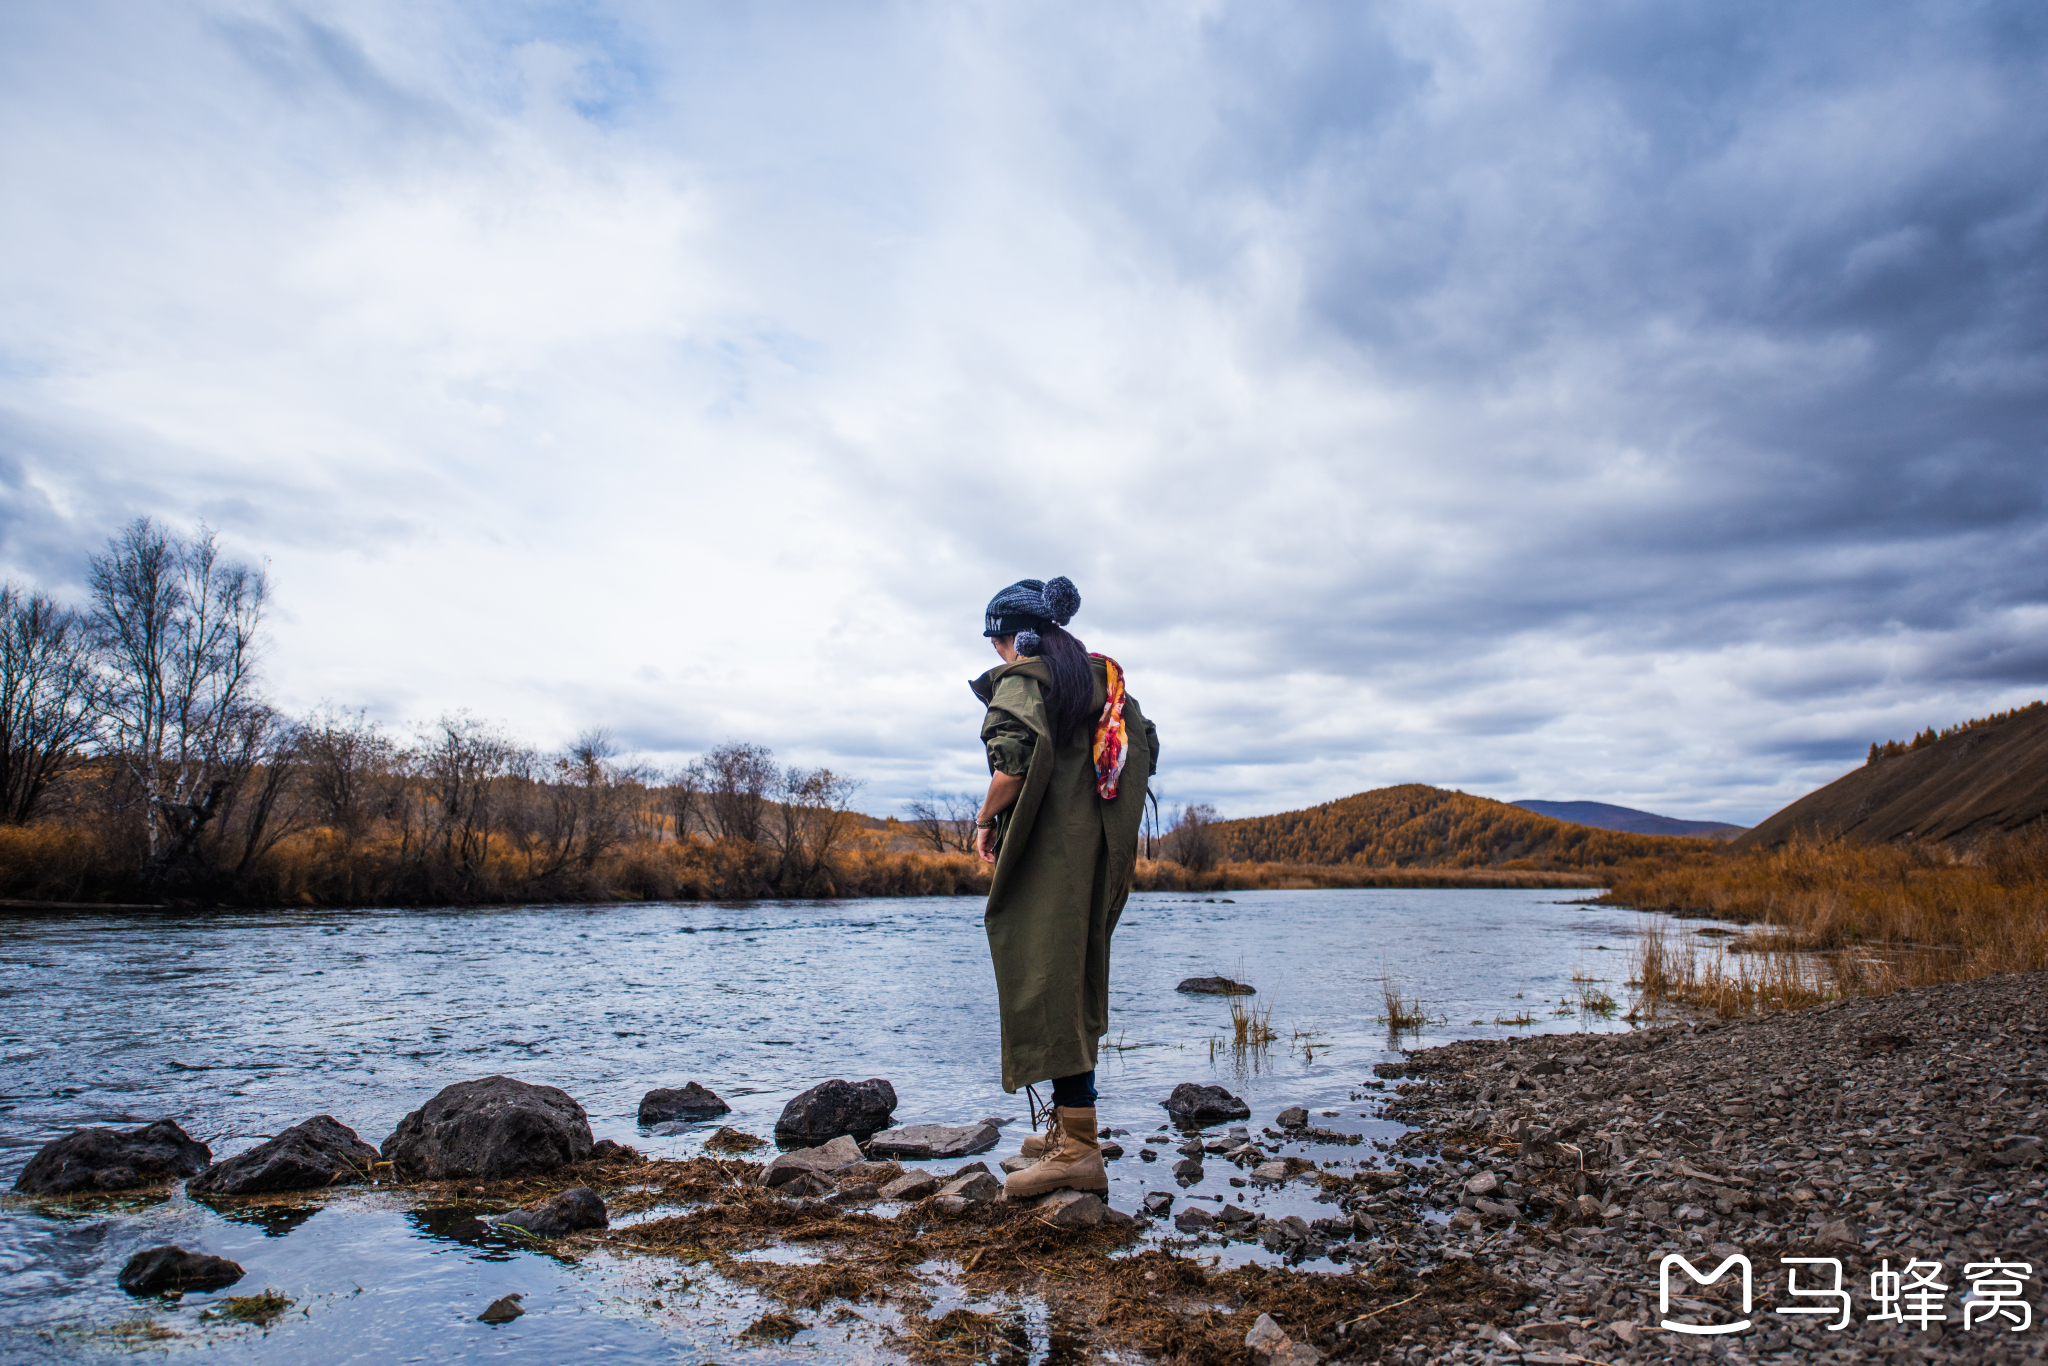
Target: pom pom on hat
{"x":1062,"y":599}
{"x":1027,"y":642}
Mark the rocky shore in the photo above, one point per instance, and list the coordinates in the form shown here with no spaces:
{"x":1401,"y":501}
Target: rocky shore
{"x":1877,"y":1132}
{"x":1524,"y":1217}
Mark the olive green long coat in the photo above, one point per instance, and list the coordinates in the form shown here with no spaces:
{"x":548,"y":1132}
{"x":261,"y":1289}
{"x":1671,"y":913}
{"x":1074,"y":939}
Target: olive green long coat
{"x":1064,"y":863}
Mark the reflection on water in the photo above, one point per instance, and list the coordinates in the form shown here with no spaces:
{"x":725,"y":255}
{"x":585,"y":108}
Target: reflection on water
{"x":238,"y":1024}
{"x":275,"y":1220}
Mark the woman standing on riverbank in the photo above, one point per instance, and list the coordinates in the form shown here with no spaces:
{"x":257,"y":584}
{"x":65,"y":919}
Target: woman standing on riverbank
{"x":1069,"y":754}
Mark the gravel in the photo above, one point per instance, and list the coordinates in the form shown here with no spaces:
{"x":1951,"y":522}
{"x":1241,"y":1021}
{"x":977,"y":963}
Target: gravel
{"x":1876,"y":1130}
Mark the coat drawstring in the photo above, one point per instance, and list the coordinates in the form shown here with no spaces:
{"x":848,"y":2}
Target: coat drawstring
{"x":1042,"y":1116}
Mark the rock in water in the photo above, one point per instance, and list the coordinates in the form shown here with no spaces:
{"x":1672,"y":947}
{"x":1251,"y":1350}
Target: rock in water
{"x":836,"y":1107}
{"x":502,"y":1310}
{"x":158,"y":1270}
{"x":911,"y":1186}
{"x":974,"y":1187}
{"x":827,"y":1157}
{"x":1294,"y":1117}
{"x":1070,"y":1209}
{"x":320,"y":1152}
{"x":113,"y":1160}
{"x":1198,"y":1107}
{"x":692,"y":1102}
{"x":491,"y":1128}
{"x":1216,"y":986}
{"x":576,"y":1208}
{"x":919,"y":1142}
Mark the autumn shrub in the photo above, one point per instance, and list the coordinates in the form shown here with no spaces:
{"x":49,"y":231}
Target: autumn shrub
{"x":53,"y":862}
{"x":1844,"y":919}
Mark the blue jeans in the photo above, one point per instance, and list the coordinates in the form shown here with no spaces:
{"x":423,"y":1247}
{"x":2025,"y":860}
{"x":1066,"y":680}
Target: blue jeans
{"x":1074,"y":1093}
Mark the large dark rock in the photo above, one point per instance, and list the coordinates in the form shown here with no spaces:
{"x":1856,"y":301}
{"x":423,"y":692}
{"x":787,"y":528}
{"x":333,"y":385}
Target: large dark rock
{"x":576,"y":1208}
{"x":1197,"y":1107}
{"x":113,"y":1160}
{"x":832,"y":1108}
{"x":157,"y":1270}
{"x":692,"y":1102}
{"x":320,"y":1152}
{"x":491,"y":1128}
{"x":1215,"y":986}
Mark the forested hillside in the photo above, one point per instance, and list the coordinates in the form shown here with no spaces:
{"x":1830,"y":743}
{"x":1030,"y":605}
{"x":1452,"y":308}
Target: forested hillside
{"x":1982,"y":778}
{"x":1418,"y":826}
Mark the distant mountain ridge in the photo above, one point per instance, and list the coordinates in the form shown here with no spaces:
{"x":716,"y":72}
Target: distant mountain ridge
{"x":1985,"y":777}
{"x":1603,"y":816}
{"x":1418,"y":826}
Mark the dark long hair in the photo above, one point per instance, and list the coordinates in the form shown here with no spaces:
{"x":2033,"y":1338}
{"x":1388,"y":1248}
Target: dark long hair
{"x":1072,"y":690}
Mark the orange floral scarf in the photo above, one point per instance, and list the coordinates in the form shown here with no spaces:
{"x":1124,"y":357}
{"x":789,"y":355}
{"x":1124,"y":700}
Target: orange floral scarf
{"x":1111,"y":739}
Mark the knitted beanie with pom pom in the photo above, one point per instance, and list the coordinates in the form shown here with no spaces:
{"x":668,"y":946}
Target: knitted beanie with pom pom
{"x":1027,"y":605}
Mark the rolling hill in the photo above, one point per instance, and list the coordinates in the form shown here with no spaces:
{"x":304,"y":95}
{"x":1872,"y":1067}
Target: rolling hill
{"x":1982,"y":777}
{"x":1602,"y":816}
{"x":1417,"y":826}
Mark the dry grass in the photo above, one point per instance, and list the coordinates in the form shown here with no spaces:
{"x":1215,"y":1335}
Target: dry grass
{"x":1403,"y":1014}
{"x":1593,"y":999}
{"x":251,"y":1308}
{"x":1840,"y":920}
{"x":1251,"y":1028}
{"x":1159,"y":875}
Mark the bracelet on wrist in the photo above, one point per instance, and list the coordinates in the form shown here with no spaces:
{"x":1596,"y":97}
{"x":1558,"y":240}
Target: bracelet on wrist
{"x":985,"y":825}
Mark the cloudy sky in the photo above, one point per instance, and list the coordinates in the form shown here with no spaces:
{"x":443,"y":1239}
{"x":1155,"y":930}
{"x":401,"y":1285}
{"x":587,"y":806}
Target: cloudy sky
{"x":1633,"y":402}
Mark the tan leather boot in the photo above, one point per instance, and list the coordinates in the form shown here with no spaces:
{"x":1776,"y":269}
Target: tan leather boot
{"x":1037,"y":1145}
{"x":1074,"y":1162}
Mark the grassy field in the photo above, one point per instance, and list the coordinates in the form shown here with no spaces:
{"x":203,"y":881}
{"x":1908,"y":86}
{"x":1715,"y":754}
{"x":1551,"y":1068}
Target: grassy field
{"x":1834,"y":919}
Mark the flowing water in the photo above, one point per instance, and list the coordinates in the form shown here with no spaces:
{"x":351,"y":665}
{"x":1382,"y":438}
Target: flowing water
{"x":237,"y":1024}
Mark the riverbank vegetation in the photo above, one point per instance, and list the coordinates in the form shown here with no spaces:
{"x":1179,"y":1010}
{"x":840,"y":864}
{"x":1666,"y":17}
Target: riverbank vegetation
{"x":141,"y":764}
{"x":1834,"y":918}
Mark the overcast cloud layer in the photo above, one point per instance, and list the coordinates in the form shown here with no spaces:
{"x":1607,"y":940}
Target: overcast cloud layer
{"x":1642,"y":403}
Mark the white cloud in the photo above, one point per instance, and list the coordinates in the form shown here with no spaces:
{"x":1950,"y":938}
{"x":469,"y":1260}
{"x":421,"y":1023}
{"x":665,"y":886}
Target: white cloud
{"x":1639,"y":407}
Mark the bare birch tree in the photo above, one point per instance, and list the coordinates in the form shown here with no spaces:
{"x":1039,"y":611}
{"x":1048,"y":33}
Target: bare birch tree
{"x":737,"y":779}
{"x":684,"y":794}
{"x":46,"y":698}
{"x":813,"y":817}
{"x":1192,"y":843}
{"x":930,"y":819}
{"x":465,"y":765}
{"x":176,"y":628}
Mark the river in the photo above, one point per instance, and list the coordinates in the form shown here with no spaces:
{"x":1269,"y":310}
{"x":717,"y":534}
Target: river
{"x":238,"y":1023}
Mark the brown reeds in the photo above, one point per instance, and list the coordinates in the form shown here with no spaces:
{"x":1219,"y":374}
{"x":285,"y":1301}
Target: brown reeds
{"x":1160,"y":875}
{"x":1841,"y":919}
{"x":1403,"y":1014}
{"x":1251,"y":1028}
{"x":1593,"y":999}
